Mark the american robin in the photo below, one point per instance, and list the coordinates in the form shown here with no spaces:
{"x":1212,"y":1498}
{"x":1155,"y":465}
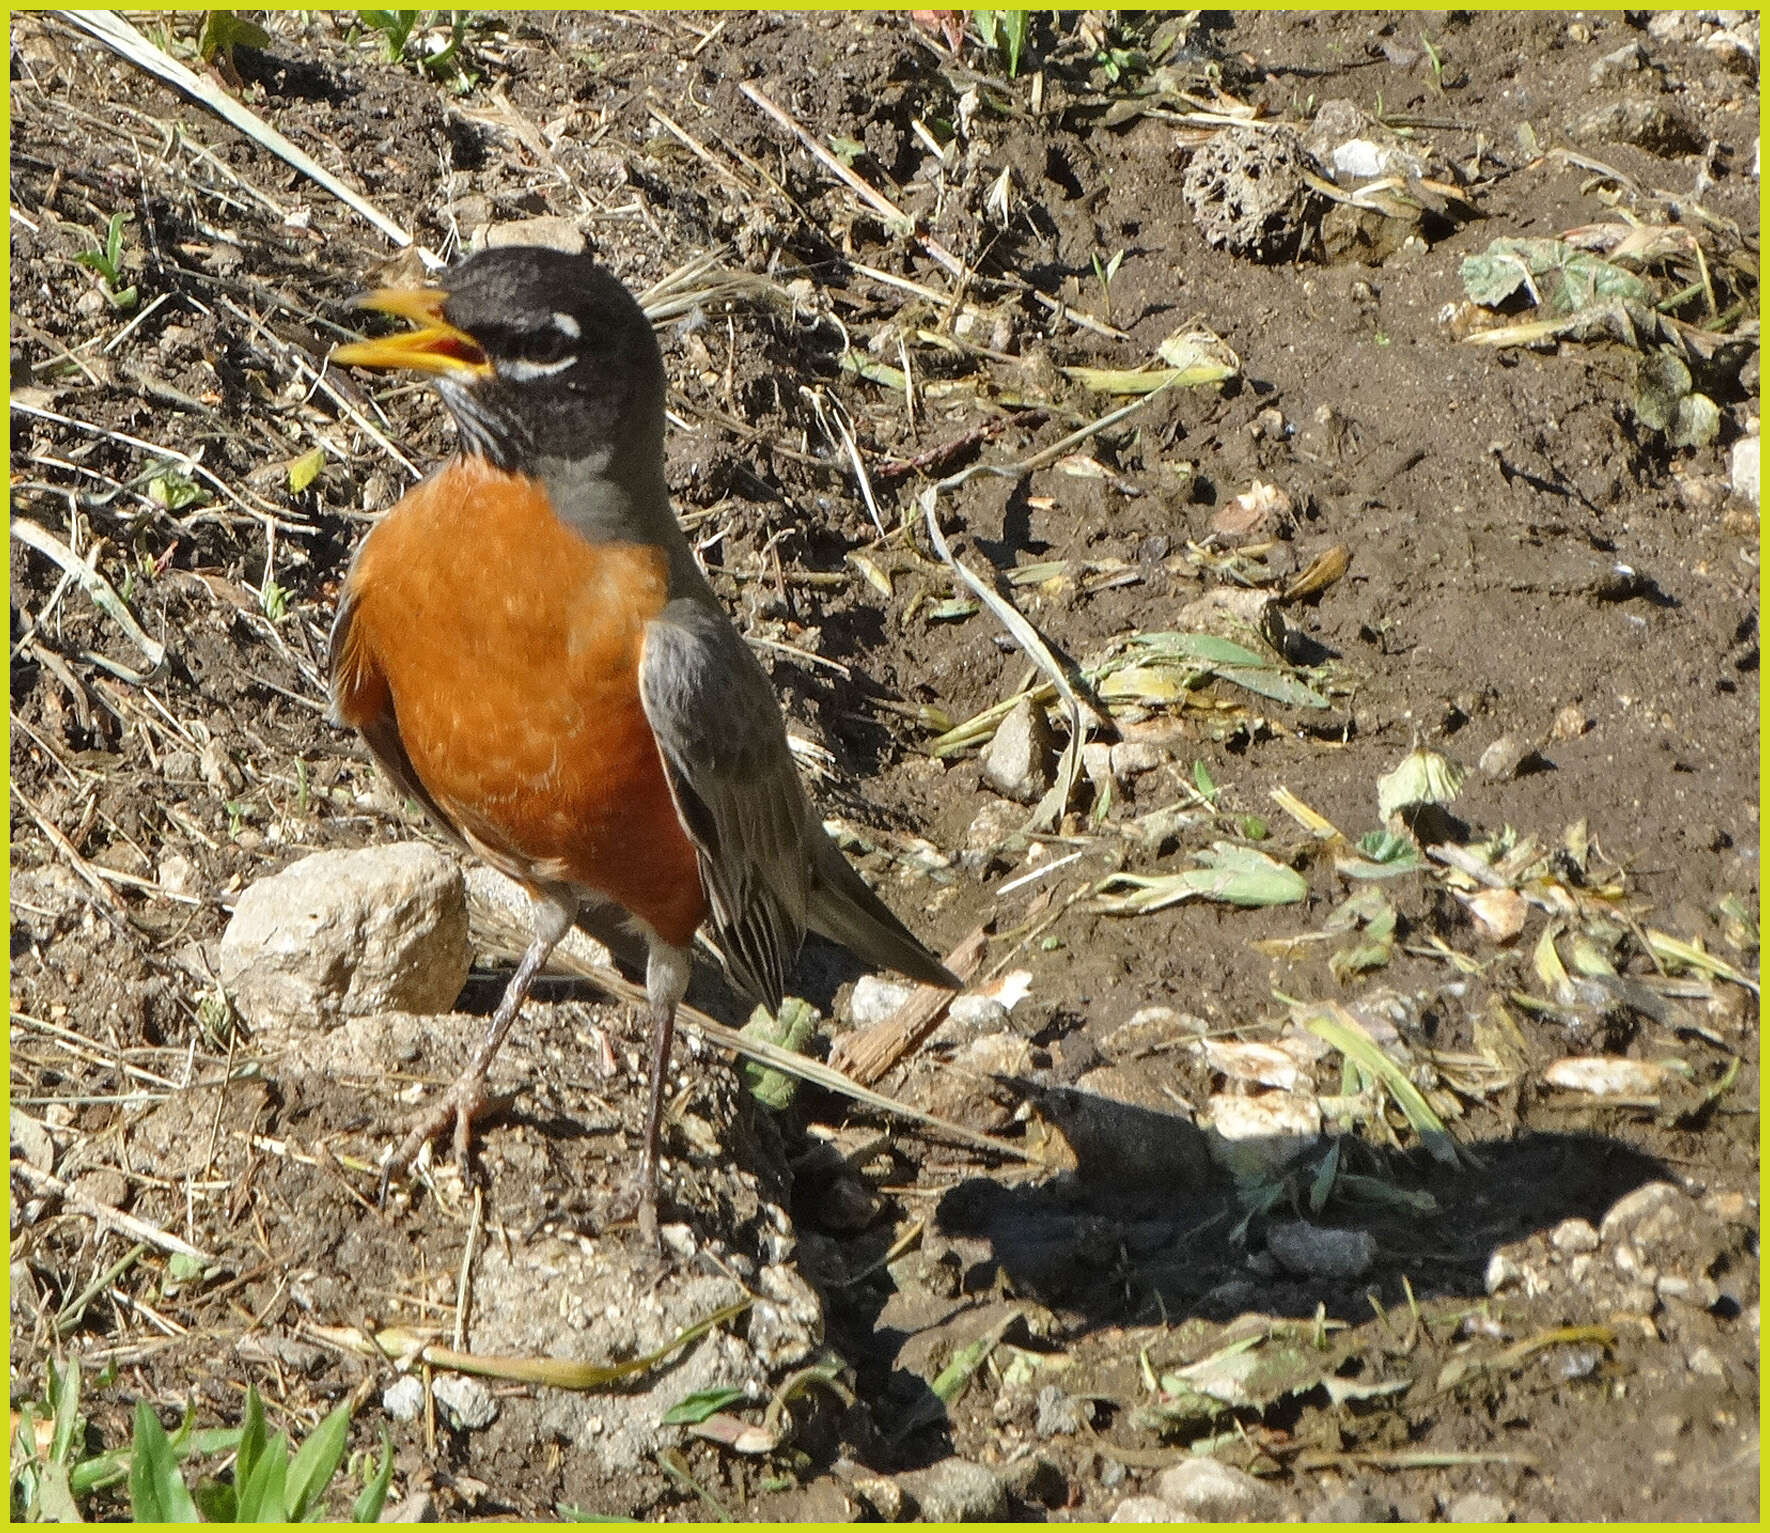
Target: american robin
{"x":528,"y":647}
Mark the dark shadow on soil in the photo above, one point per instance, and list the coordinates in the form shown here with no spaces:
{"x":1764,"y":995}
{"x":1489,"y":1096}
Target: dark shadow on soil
{"x":1147,"y":1230}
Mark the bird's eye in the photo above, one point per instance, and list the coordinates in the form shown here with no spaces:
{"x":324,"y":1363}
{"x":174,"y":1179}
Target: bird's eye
{"x":543,"y":346}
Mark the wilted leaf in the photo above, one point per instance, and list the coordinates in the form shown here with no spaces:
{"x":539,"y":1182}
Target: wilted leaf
{"x":1235,"y":875}
{"x":1424,"y":777}
{"x":1559,"y":279}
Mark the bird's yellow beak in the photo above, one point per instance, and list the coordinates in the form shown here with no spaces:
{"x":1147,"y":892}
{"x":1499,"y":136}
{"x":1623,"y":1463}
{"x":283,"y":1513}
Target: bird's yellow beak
{"x":435,"y":346}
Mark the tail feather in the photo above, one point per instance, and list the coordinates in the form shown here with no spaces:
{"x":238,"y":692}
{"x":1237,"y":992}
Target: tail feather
{"x":842,"y":908}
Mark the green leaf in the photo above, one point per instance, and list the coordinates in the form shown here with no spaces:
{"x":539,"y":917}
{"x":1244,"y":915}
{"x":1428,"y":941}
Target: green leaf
{"x":223,"y":31}
{"x":64,"y":1400}
{"x":367,"y":1506}
{"x":1276,"y":685}
{"x":253,"y":1436}
{"x":1204,"y":782}
{"x":1342,"y":1031}
{"x":315,"y":1462}
{"x":697,"y":1407}
{"x":305,"y":469}
{"x":261,"y":1493}
{"x":156,"y":1489}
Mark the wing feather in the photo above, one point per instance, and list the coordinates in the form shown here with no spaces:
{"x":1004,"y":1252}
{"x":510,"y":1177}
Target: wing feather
{"x":724,"y":748}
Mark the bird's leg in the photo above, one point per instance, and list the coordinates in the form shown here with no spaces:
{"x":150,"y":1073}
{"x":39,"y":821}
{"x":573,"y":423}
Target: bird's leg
{"x":666,"y":982}
{"x":552,"y":913}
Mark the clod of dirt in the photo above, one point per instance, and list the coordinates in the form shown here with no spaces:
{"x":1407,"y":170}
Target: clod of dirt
{"x":1247,"y":192}
{"x":343,"y":934}
{"x":1644,"y":121}
{"x":1021,"y":761}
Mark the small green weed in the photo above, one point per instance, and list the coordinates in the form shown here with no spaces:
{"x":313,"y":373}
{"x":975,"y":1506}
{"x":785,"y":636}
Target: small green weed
{"x":397,"y":29}
{"x":1004,"y":34}
{"x":54,"y":1471}
{"x":107,"y":260}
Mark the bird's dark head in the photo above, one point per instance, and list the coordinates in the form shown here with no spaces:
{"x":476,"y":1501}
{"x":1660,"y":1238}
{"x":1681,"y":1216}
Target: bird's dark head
{"x":538,"y":354}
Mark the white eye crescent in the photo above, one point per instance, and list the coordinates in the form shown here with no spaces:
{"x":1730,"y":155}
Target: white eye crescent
{"x":566,"y":325}
{"x":520,"y":371}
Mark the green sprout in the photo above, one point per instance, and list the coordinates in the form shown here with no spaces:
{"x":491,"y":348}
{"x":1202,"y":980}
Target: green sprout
{"x":107,"y":261}
{"x":1004,"y":33}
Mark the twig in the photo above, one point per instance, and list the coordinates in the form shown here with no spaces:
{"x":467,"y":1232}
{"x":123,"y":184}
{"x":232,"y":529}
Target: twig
{"x":79,"y":864}
{"x":116,"y":33}
{"x":128,"y":1224}
{"x":172,"y":454}
{"x":104,"y":596}
{"x":865,"y":1054}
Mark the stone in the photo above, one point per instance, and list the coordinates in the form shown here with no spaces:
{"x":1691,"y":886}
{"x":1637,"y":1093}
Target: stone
{"x":1142,"y":1509}
{"x":346,"y":934}
{"x":1477,"y":1506}
{"x":1021,"y":761}
{"x":1572,"y":1235}
{"x":1742,"y":469}
{"x":955,"y":1490}
{"x":468,"y":1402}
{"x":1309,"y":1250}
{"x":1203,"y":1490}
{"x":403,"y":1398}
{"x":1060,"y":1414}
{"x":876,"y":999}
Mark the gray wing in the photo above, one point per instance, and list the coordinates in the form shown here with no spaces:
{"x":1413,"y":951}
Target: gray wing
{"x":724,"y":748}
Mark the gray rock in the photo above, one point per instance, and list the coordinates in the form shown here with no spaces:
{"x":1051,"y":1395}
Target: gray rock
{"x":343,"y":934}
{"x":1615,"y":66}
{"x":876,"y":999}
{"x":1021,"y":761}
{"x":1203,"y":1490}
{"x":1573,"y":1235}
{"x":1308,"y":1250}
{"x":403,"y":1398}
{"x":1647,"y":1216}
{"x":1060,"y":1414}
{"x":1142,"y":1509}
{"x":955,"y":1490}
{"x":1478,"y":1506}
{"x":469,"y":1403}
{"x":1742,"y":465}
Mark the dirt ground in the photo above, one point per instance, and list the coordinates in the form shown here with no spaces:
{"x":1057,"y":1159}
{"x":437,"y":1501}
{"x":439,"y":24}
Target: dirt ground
{"x":1497,"y":555}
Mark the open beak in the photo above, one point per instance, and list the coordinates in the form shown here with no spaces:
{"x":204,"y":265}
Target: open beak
{"x":435,"y":346}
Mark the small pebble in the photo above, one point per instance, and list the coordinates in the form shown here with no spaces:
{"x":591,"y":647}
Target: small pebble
{"x":469,"y":1403}
{"x":1478,"y":1506}
{"x":403,"y":1398}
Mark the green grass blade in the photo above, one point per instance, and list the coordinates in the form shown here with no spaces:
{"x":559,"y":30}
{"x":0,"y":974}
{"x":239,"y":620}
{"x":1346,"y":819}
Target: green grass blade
{"x":156,"y":1489}
{"x":316,"y":1461}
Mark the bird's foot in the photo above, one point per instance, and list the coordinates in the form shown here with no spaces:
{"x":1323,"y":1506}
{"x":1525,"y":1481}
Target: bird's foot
{"x":466,"y":1100}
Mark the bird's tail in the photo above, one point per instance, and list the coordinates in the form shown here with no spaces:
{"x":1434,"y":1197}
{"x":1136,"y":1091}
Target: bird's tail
{"x":842,"y":908}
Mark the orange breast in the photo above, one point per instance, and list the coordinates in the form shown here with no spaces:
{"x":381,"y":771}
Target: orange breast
{"x":509,"y":647}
